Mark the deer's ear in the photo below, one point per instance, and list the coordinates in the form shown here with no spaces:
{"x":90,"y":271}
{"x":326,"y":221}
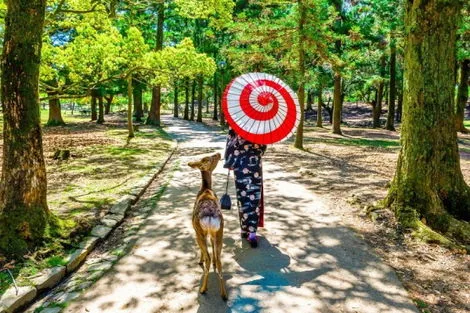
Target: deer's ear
{"x":193,"y":164}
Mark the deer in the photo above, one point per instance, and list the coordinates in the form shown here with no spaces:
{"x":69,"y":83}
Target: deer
{"x":208,"y":222}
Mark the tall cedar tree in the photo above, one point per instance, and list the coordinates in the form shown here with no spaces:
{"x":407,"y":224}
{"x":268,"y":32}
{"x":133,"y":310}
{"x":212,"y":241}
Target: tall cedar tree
{"x":155,"y":107}
{"x":337,"y":103}
{"x":392,"y":85}
{"x":299,"y":136}
{"x":24,"y":215}
{"x":428,"y":182}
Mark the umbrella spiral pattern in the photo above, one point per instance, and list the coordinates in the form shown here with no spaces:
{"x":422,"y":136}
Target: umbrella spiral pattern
{"x":261,"y":108}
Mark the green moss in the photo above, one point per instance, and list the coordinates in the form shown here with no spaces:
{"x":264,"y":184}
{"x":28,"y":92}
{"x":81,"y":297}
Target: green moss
{"x":54,"y":261}
{"x":420,"y":304}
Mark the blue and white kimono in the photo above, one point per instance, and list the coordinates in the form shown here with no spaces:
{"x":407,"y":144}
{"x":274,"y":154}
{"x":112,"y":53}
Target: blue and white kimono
{"x":244,"y":158}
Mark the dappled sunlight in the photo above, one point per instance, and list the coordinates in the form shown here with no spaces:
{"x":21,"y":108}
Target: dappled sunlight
{"x":306,"y":260}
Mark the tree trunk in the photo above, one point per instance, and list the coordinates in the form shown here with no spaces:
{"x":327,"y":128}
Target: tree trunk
{"x":193,"y":99}
{"x":175,"y":101}
{"x":130,"y":126}
{"x":310,"y":99}
{"x":186,"y":100}
{"x":462,"y":95}
{"x":55,"y":114}
{"x":392,"y":86}
{"x":319,"y":107}
{"x":94,"y":114}
{"x":100,"y":110}
{"x":220,"y":93}
{"x":215,"y":117}
{"x":428,"y":181}
{"x":200,"y":95}
{"x":399,"y":104}
{"x":380,"y":89}
{"x":155,"y":106}
{"x":337,"y":107}
{"x":299,"y":136}
{"x":138,"y":106}
{"x":24,"y":215}
{"x":109,"y":101}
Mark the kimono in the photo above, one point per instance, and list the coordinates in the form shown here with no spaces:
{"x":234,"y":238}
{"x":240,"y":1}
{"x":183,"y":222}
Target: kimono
{"x":244,"y":158}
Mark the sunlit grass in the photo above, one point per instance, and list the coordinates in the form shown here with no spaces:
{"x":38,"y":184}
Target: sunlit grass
{"x":360,"y":142}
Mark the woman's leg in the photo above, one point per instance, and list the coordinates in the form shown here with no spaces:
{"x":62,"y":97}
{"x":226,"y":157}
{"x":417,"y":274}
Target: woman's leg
{"x":248,"y":196}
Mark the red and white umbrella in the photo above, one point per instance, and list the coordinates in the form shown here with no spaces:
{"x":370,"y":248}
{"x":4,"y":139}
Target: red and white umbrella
{"x":261,"y":108}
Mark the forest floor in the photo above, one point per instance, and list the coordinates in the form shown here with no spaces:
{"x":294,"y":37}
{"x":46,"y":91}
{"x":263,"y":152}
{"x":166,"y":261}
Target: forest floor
{"x":103,"y":166}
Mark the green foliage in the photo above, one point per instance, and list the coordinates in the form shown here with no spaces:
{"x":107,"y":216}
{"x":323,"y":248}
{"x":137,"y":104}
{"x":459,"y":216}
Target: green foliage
{"x":218,"y":11}
{"x":179,"y":61}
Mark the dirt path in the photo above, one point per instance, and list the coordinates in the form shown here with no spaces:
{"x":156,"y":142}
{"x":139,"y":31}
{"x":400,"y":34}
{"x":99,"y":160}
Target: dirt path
{"x":306,"y":262}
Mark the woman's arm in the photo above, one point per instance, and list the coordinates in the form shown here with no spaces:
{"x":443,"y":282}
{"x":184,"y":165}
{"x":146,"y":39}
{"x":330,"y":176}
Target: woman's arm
{"x":230,"y":148}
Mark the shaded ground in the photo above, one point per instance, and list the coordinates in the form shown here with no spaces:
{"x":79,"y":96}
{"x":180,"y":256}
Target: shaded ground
{"x":103,"y":166}
{"x":307,"y":260}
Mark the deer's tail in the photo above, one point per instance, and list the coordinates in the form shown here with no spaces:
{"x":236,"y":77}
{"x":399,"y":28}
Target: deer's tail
{"x":210,"y":223}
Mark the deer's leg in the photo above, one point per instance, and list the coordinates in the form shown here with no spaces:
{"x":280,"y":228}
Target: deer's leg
{"x":213,"y":253}
{"x":217,"y":255}
{"x":201,"y":241}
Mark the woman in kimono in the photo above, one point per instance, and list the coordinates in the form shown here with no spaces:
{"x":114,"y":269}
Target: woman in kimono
{"x":244,"y":158}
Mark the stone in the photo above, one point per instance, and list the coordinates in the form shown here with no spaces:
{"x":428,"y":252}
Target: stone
{"x":136,"y":191}
{"x":2,"y":309}
{"x":75,"y":259}
{"x":109,"y":222}
{"x":103,"y":266}
{"x":122,"y":205}
{"x":89,"y":243}
{"x":112,"y":258}
{"x":11,"y":301}
{"x":145,"y":210}
{"x":49,"y":278}
{"x":51,"y":310}
{"x":94,"y":276}
{"x":68,"y":296}
{"x":101,"y":231}
{"x":84,"y":285}
{"x":116,"y":217}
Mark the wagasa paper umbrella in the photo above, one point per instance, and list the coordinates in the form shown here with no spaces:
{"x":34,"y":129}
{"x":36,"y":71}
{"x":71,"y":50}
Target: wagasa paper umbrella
{"x":261,"y":108}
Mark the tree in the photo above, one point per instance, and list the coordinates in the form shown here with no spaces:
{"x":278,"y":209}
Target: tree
{"x":24,"y":215}
{"x":462,"y":95}
{"x":154,"y":112}
{"x":392,"y":88}
{"x":299,"y":137}
{"x":337,"y":68}
{"x":463,"y":57}
{"x":428,"y":183}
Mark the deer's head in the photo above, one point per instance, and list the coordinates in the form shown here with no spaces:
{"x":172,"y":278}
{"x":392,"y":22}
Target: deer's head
{"x":207,"y":163}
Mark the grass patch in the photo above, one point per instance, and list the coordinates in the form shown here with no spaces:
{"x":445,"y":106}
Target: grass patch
{"x":372,"y":143}
{"x":467,"y":123}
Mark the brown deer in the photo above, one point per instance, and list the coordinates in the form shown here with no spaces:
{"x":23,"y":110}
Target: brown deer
{"x":208,"y":221}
